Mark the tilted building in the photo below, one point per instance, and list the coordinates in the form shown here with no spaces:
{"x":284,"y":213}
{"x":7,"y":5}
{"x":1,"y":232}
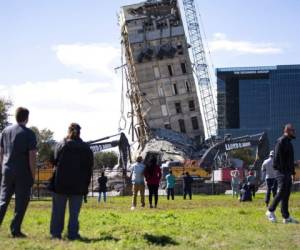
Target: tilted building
{"x":160,"y":70}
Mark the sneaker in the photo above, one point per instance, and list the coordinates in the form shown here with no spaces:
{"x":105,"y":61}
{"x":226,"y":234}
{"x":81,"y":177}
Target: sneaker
{"x":132,"y":208}
{"x":271,"y":216}
{"x":290,"y":220}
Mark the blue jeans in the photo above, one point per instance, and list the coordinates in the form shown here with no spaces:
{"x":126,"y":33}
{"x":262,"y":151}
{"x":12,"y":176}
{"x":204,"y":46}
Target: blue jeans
{"x":59,"y":202}
{"x":104,"y":196}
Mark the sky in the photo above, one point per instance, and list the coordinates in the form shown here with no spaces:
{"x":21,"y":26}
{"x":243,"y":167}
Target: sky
{"x":57,"y":57}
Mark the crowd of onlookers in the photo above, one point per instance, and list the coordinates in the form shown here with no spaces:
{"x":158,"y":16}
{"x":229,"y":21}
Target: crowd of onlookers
{"x":245,"y":189}
{"x":150,"y":174}
{"x":278,"y":173}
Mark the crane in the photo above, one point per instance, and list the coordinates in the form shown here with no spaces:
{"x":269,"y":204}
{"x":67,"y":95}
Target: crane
{"x":206,"y":99}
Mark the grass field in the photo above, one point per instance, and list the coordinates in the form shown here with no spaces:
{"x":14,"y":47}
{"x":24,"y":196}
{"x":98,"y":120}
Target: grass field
{"x":206,"y":222}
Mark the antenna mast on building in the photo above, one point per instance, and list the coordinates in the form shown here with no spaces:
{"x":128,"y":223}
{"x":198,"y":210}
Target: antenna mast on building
{"x":207,"y":102}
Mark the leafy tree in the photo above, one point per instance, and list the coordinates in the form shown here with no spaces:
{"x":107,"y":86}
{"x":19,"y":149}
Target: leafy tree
{"x":5,"y":105}
{"x":245,"y":154}
{"x":105,"y":159}
{"x":45,"y":143}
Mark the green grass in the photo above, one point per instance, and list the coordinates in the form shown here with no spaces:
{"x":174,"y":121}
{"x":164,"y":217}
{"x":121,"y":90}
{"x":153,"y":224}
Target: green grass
{"x":206,"y":222}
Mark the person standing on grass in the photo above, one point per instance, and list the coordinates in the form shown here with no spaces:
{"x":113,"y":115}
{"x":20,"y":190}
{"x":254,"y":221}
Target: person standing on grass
{"x":170,"y":178}
{"x":73,"y":160}
{"x":18,"y":163}
{"x":269,"y":172}
{"x":153,"y":176}
{"x":284,"y":174}
{"x":251,"y":180}
{"x":102,"y":181}
{"x":187,"y":185}
{"x":137,"y":180}
{"x":235,"y":182}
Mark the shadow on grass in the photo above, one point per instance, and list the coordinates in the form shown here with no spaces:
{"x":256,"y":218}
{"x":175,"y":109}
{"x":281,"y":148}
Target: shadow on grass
{"x":160,"y":240}
{"x":101,"y":238}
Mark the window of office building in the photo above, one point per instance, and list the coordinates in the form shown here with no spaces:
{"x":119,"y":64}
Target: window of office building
{"x":183,"y":68}
{"x":156,"y":72}
{"x":191,"y":105}
{"x":195,"y":122}
{"x":170,"y":69}
{"x":178,"y":107}
{"x":181,"y":126}
{"x":175,"y":90}
{"x":187,"y":86}
{"x":160,"y":91}
{"x":168,"y":126}
{"x":164,"y":110}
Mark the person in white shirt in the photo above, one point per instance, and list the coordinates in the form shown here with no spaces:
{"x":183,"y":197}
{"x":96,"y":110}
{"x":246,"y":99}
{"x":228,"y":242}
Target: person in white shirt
{"x":269,"y":172}
{"x":235,"y":182}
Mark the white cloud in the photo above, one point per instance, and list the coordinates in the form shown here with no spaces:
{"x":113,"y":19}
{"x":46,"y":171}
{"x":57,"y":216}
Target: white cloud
{"x":55,"y":104}
{"x":220,"y":42}
{"x":97,"y":58}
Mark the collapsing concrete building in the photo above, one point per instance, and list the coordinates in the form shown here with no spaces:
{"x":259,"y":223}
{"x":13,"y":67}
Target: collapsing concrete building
{"x":159,"y":71}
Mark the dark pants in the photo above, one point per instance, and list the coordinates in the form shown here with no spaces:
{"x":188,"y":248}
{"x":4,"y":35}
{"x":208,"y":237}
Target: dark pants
{"x":170,"y":191}
{"x":252,"y":189}
{"x":284,"y":190}
{"x":271,"y":188}
{"x":21,"y":189}
{"x":59,"y":202}
{"x":187,"y":191}
{"x":153,"y":191}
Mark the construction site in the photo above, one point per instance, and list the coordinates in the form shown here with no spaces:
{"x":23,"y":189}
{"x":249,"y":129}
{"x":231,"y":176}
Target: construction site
{"x":173,"y":113}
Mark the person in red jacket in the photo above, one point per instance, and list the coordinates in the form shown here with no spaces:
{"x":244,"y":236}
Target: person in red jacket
{"x":153,"y":176}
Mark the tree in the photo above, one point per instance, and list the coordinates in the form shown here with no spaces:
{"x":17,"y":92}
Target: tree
{"x":45,"y":143}
{"x":5,"y":105}
{"x":105,"y":160}
{"x":245,"y":154}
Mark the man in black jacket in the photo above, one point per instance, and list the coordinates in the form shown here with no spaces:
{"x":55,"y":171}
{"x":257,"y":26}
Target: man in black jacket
{"x":102,"y":181}
{"x":284,"y":174}
{"x":73,"y":160}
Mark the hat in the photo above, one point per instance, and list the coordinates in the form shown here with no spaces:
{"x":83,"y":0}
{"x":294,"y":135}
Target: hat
{"x":271,"y":153}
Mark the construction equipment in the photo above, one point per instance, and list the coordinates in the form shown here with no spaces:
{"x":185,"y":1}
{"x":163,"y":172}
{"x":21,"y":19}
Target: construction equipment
{"x":45,"y":171}
{"x":201,"y":70}
{"x":190,"y":166}
{"x":215,"y":157}
{"x":122,"y":144}
{"x":260,"y":141}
